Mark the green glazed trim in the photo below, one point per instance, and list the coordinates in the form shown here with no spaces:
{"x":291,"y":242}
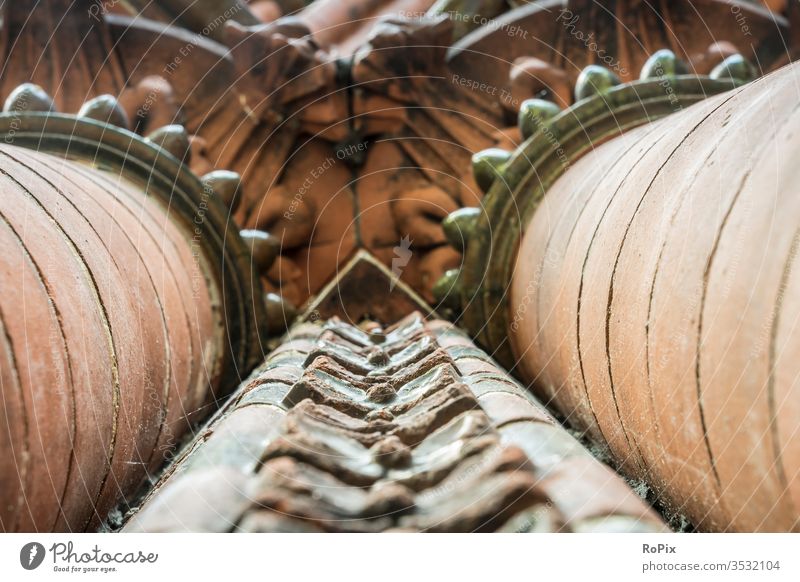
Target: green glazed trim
{"x":533,"y":168}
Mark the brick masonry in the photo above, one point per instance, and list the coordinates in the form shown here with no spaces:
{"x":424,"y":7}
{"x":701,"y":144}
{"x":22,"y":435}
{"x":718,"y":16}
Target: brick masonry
{"x":411,"y":428}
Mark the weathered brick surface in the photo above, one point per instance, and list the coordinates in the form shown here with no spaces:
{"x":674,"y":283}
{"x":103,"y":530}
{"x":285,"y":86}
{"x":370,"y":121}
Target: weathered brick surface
{"x":406,"y":429}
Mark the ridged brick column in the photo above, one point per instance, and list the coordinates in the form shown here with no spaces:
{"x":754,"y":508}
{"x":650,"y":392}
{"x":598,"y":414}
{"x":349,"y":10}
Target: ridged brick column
{"x":633,"y":261}
{"x":655,"y":303}
{"x":124,"y":314}
{"x":411,"y":428}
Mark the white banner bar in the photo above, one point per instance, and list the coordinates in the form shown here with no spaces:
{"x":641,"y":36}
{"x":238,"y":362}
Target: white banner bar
{"x":399,"y":557}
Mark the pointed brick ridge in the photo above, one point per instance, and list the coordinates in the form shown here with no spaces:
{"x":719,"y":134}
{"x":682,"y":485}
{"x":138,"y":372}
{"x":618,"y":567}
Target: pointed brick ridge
{"x":409,"y":428}
{"x":366,"y":289}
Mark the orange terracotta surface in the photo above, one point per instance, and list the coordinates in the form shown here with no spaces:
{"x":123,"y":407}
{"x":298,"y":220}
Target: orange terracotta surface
{"x":653,"y":303}
{"x":112,"y":340}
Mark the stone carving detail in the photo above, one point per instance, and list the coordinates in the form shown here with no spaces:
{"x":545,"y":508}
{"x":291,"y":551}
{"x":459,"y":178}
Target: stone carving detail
{"x":327,"y":143}
{"x":408,"y":428}
{"x":307,"y":95}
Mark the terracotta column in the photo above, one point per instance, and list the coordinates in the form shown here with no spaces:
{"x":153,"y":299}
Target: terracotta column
{"x":127,"y":308}
{"x":655,"y":303}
